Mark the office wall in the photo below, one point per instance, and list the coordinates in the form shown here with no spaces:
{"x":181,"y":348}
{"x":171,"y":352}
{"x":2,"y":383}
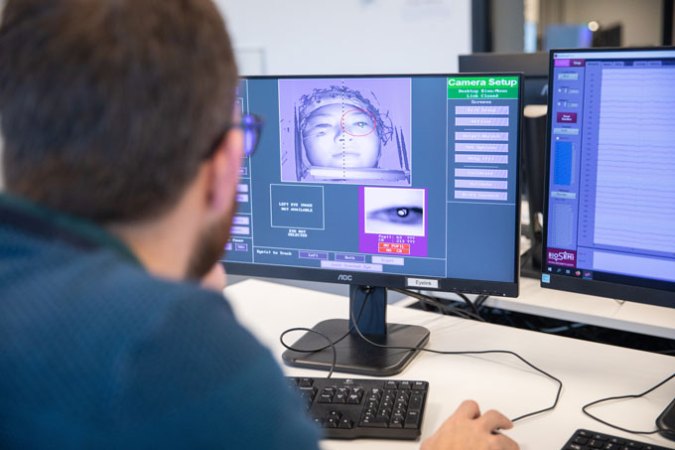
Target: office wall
{"x":641,"y":19}
{"x":348,"y":36}
{"x":508,"y":26}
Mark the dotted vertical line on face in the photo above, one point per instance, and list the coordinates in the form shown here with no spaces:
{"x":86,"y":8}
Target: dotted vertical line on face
{"x":342,"y":125}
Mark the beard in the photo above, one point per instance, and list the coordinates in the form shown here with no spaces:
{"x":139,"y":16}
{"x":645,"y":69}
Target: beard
{"x":209,"y":248}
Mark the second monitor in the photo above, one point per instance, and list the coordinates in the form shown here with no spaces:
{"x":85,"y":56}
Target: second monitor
{"x":406,"y":182}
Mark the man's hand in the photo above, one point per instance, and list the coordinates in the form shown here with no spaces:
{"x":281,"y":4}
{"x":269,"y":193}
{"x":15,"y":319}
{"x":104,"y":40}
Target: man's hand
{"x":216,"y":279}
{"x":467,"y":429}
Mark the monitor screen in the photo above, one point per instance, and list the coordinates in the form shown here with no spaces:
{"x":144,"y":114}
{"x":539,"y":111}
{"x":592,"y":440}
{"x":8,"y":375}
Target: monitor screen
{"x":610,"y":189}
{"x":407,"y":182}
{"x":534,"y":67}
{"x":397,"y":181}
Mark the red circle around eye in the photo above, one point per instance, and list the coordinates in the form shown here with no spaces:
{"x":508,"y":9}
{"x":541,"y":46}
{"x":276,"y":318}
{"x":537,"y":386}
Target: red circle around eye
{"x":358,"y":110}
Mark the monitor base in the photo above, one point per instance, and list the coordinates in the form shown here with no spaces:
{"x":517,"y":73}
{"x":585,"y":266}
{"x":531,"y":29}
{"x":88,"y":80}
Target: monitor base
{"x":666,"y":422}
{"x":354,"y":355}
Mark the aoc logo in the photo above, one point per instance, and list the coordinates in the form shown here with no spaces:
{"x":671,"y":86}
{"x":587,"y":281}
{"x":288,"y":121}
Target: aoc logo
{"x":343,"y":277}
{"x":565,"y":258}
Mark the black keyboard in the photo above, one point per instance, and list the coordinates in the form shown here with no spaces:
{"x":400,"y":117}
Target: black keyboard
{"x":350,"y":408}
{"x":592,"y":440}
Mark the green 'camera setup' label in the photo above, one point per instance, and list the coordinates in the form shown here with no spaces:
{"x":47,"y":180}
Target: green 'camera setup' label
{"x":483,"y":87}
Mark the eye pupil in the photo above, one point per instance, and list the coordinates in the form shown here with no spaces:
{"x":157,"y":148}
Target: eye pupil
{"x":402,"y":212}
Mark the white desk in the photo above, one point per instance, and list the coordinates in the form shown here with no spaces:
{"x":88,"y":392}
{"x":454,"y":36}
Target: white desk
{"x":604,"y":312}
{"x":589,"y":371}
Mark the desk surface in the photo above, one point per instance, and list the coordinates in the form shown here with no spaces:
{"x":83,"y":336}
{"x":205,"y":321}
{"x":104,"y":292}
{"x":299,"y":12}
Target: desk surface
{"x":589,"y":371}
{"x":603,"y":312}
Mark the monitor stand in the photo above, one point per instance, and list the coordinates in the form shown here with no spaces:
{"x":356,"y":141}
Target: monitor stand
{"x":533,"y":165}
{"x":354,"y":355}
{"x":666,"y":422}
{"x":530,"y":261}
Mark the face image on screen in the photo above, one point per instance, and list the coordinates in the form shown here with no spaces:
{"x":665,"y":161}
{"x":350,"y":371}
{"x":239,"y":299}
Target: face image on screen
{"x":348,"y":131}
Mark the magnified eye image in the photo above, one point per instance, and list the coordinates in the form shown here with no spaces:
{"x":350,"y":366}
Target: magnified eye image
{"x":394,"y":211}
{"x":405,"y":215}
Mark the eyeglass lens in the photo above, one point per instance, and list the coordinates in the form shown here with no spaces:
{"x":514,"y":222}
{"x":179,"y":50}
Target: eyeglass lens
{"x":251,"y":126}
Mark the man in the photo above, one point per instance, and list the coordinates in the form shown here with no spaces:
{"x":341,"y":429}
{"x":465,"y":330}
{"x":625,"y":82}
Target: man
{"x":121,"y":161}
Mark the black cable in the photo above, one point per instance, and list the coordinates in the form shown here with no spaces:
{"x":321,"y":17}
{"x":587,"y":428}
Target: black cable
{"x":446,"y":309}
{"x":468,"y":302}
{"x":621,"y":397}
{"x":562,"y":328}
{"x":437,"y":305}
{"x":441,"y":306}
{"x":480,"y":301}
{"x":480,"y":352}
{"x":331,"y":344}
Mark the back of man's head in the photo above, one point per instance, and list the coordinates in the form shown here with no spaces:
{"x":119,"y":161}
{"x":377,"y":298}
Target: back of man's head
{"x":108,"y":107}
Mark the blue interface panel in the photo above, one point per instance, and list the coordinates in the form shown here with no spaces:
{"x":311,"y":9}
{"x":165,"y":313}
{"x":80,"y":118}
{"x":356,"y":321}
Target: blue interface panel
{"x":611,"y":203}
{"x":412,"y":175}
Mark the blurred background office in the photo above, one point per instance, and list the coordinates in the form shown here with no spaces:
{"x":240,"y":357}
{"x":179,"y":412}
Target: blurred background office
{"x":397,"y":36}
{"x":423,"y":36}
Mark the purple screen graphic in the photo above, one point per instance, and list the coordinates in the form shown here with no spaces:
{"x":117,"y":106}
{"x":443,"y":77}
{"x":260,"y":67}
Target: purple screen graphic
{"x":392,"y":221}
{"x":351,"y":131}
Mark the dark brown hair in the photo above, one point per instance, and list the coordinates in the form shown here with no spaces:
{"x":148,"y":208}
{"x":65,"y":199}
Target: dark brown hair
{"x":109,"y":106}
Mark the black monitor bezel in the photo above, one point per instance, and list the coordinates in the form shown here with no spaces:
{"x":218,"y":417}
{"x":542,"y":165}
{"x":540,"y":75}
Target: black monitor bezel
{"x":533,"y":66}
{"x":396,"y":281}
{"x":608,"y":289}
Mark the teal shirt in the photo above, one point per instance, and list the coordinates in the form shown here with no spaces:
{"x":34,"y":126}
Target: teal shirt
{"x":97,"y":353}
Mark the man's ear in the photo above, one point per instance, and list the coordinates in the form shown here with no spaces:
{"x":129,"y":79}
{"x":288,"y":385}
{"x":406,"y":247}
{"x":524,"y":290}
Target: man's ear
{"x":224,"y":172}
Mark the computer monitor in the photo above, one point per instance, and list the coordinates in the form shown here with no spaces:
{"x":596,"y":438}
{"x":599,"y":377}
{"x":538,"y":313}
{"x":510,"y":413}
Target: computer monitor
{"x":406,"y":181}
{"x":608,"y":36}
{"x":534,"y":67}
{"x":610,"y":187}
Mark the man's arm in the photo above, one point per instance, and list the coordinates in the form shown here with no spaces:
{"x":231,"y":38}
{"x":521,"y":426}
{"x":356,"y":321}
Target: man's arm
{"x":200,"y":380}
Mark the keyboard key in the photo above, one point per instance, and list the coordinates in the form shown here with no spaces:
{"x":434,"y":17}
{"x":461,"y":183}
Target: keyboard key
{"x":354,"y":399}
{"x":420,"y":385}
{"x":325,"y":398}
{"x":412,"y":420}
{"x":415,"y":402}
{"x":346,"y":424}
{"x":375,"y":422}
{"x":305,"y":382}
